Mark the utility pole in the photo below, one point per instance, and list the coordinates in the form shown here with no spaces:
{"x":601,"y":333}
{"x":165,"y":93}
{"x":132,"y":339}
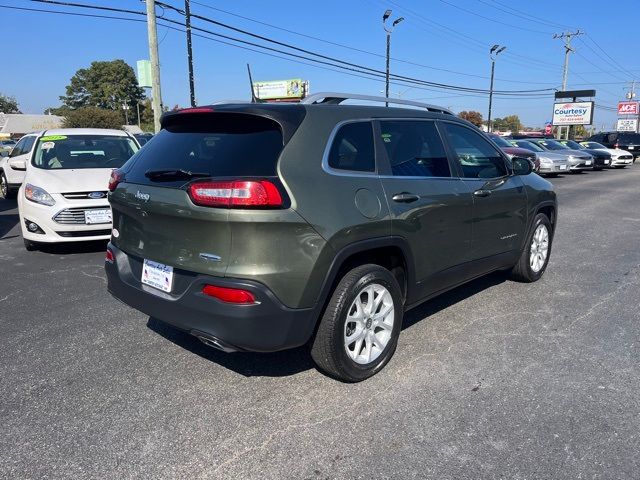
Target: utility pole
{"x":155,"y":64}
{"x":566,"y":37}
{"x":389,"y":30}
{"x":493,"y":54}
{"x":187,"y":16}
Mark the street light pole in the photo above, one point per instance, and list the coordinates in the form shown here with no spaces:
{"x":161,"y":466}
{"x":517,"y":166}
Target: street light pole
{"x":493,"y":53}
{"x":389,"y":30}
{"x":566,"y":37}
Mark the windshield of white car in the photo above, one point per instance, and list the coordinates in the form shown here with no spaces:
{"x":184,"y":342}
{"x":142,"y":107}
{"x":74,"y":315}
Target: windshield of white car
{"x":60,"y":152}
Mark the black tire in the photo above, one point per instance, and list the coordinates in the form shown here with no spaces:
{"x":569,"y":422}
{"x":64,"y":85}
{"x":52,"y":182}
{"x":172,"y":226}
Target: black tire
{"x":5,"y":190}
{"x":522,"y":270}
{"x":328,"y":350}
{"x":29,"y":245}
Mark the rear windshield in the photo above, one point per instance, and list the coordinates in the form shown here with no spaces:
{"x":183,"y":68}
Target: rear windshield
{"x":216,"y":145}
{"x":60,"y":152}
{"x":629,"y":138}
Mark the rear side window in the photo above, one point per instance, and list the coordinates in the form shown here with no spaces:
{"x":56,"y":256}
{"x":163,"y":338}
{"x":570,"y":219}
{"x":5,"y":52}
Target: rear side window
{"x":477,"y":157}
{"x":414,"y":149}
{"x":215,"y":144}
{"x":352,"y":148}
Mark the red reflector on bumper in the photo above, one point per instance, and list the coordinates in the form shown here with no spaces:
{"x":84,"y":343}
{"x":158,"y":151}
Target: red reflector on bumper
{"x":109,"y":257}
{"x":229,"y":295}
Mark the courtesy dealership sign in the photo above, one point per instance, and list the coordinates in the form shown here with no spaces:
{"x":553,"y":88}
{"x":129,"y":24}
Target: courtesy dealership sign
{"x":573,"y":113}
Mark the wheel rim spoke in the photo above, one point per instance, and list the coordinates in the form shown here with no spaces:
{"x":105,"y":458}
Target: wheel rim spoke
{"x":369,"y":324}
{"x":539,"y":248}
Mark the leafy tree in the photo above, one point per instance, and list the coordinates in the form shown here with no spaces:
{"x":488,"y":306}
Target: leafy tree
{"x":92,"y":117}
{"x":509,"y":123}
{"x":105,"y":85}
{"x":471,"y":116}
{"x":8,"y":104}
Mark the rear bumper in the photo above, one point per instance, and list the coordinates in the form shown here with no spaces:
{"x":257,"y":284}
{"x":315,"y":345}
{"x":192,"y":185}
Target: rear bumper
{"x":263,"y":327}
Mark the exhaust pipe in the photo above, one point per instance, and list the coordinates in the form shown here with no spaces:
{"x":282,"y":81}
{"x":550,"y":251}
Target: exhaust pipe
{"x":211,"y":341}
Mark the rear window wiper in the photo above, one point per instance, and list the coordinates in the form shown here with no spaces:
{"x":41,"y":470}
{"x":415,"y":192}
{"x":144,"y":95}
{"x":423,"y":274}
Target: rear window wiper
{"x":170,"y":174}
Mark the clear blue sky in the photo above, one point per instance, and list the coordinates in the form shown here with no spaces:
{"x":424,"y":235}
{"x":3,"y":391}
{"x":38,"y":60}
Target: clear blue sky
{"x":44,"y":50}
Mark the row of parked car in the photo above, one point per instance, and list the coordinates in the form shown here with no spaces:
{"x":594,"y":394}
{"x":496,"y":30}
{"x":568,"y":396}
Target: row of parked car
{"x":553,"y":157}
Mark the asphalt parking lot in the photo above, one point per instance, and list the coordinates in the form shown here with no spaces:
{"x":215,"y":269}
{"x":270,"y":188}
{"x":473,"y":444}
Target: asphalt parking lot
{"x":495,"y":379}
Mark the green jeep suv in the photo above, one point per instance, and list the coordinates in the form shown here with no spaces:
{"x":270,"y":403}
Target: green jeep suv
{"x":262,"y":227}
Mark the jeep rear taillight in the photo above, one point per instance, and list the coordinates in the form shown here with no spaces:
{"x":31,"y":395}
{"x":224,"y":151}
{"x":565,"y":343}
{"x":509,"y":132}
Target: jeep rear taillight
{"x":116,"y":177}
{"x":236,"y":193}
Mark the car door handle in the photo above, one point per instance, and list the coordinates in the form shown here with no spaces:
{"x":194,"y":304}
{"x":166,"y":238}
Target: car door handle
{"x":482,"y":193}
{"x":405,"y":197}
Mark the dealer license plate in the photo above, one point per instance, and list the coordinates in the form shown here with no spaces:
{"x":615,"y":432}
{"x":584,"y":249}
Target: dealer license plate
{"x":588,"y":162}
{"x":102,"y":215}
{"x":630,"y":148}
{"x":157,"y":275}
{"x":606,"y":162}
{"x":563,"y":167}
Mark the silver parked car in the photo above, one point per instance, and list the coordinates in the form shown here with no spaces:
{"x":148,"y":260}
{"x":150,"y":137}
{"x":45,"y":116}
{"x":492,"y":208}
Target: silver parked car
{"x":578,"y":160}
{"x":551,"y":163}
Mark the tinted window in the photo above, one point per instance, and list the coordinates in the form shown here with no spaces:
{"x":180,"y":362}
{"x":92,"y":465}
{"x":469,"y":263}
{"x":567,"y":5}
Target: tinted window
{"x":17,"y":150}
{"x":594,"y":145}
{"x":478,"y":158}
{"x":28,"y":143}
{"x":59,"y":152}
{"x":414,"y":149}
{"x":551,"y":145}
{"x":629,"y":138}
{"x":215,"y":144}
{"x":501,"y":142}
{"x":352,"y":148}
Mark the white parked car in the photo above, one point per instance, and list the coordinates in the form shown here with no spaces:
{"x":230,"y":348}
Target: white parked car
{"x":64,"y":194}
{"x":11,"y":170}
{"x":619,"y":158}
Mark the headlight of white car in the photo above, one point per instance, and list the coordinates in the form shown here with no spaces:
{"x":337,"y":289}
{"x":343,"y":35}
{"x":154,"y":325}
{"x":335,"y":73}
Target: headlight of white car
{"x":545,"y":161}
{"x":38,"y":195}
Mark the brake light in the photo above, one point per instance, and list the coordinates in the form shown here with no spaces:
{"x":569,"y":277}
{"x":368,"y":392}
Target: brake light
{"x":235,"y":193}
{"x":229,"y":295}
{"x":109,"y":256}
{"x":196,"y":110}
{"x":116,"y":177}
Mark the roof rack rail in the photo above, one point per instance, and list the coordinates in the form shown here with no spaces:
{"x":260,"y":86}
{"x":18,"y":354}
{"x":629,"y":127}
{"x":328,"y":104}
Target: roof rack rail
{"x":335,"y":98}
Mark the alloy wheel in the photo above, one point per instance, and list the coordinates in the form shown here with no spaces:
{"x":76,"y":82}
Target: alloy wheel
{"x":369,"y":324}
{"x":539,"y":248}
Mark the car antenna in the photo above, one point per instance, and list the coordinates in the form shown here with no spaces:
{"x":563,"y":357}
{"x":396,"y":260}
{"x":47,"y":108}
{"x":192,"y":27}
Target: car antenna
{"x":254,"y":98}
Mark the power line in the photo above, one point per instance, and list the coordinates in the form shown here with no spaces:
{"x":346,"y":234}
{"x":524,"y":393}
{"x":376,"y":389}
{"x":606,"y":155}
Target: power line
{"x":471,"y":12}
{"x":359,"y":50}
{"x":362,"y":75}
{"x":323,"y":59}
{"x":521,"y":14}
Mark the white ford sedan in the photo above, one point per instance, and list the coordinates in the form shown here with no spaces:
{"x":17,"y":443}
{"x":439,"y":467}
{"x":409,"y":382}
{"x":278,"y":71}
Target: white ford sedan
{"x":64,"y":194}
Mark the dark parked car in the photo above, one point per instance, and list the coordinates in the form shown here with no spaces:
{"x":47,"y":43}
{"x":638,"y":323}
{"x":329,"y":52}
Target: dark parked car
{"x":262,"y":227}
{"x":628,"y":141}
{"x":601,"y":158}
{"x":513,"y":151}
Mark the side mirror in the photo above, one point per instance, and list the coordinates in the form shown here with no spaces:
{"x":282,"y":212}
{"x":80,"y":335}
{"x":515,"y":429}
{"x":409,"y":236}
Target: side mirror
{"x":17,"y":164}
{"x":521,"y":166}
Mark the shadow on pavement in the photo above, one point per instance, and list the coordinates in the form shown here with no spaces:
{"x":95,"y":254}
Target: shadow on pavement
{"x":290,"y":362}
{"x":71,"y":248}
{"x":277,"y":364}
{"x":8,"y":220}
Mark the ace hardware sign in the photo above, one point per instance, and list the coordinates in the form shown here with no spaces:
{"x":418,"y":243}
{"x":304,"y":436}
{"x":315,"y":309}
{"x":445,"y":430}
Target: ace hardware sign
{"x":627,"y":108}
